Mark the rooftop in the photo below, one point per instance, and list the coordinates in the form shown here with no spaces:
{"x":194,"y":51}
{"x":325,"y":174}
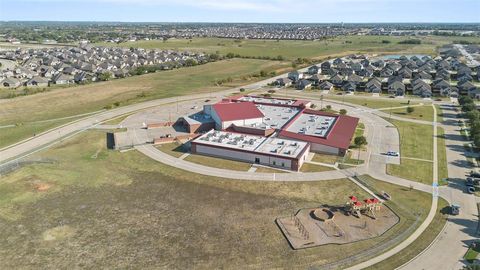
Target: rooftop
{"x":237,"y":111}
{"x":313,"y":125}
{"x":252,"y":143}
{"x":274,"y":116}
{"x":338,"y":133}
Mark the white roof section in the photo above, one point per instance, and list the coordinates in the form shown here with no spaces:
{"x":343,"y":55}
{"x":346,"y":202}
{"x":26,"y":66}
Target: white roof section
{"x":313,"y":125}
{"x":268,"y":100}
{"x":275,"y":116}
{"x":252,"y":143}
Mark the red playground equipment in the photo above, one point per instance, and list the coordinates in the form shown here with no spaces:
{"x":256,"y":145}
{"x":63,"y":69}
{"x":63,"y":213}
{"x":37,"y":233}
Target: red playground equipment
{"x":357,"y":208}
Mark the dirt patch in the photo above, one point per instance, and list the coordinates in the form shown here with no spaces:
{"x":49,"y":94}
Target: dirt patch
{"x":332,"y":225}
{"x":58,"y":233}
{"x":42,"y":186}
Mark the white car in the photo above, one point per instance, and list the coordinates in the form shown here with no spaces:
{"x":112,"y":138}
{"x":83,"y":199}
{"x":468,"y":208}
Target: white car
{"x":393,"y":154}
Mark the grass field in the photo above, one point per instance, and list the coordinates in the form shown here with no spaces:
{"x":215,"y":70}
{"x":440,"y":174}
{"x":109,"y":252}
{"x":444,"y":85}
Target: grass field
{"x":420,"y":244}
{"x":442,"y":155}
{"x":412,"y":201}
{"x":420,"y":113}
{"x":82,"y":99}
{"x":329,"y":159}
{"x":219,"y":162}
{"x":374,"y":103}
{"x":268,"y":170}
{"x":416,"y":141}
{"x":174,"y":149}
{"x":308,"y":167}
{"x":439,"y":114}
{"x":98,"y":208}
{"x":296,"y":49}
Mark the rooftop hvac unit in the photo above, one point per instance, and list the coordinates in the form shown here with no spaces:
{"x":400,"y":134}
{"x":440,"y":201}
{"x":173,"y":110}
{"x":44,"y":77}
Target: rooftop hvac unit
{"x":294,"y":144}
{"x":288,"y":152}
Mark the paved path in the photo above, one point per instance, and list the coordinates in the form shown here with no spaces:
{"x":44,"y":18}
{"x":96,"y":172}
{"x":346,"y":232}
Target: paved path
{"x":450,"y":246}
{"x":425,"y":223}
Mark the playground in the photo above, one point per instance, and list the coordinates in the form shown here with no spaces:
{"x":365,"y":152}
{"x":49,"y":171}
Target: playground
{"x":356,"y":220}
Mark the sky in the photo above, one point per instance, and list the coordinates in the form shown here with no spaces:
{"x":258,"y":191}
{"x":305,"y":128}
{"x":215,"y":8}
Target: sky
{"x":288,"y":11}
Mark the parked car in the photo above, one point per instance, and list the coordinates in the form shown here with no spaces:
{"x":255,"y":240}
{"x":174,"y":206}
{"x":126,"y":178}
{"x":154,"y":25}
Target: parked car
{"x":393,"y":154}
{"x":474,"y":174}
{"x":469,"y":182}
{"x":454,"y":209}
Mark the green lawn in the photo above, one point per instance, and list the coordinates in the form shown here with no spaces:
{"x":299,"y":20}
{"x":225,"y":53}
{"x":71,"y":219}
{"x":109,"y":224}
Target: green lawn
{"x":268,"y":170}
{"x":374,"y":103}
{"x":442,"y":155}
{"x":420,"y":113}
{"x":308,"y":167}
{"x":219,"y":162}
{"x":11,"y":135}
{"x":420,"y":244}
{"x":472,"y":254}
{"x":416,"y":170}
{"x":409,"y":201}
{"x":416,"y":141}
{"x":174,"y":149}
{"x":295,"y":49}
{"x":439,"y":114}
{"x":93,"y":97}
{"x":323,"y":158}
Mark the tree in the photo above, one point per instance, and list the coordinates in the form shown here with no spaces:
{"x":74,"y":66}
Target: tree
{"x":191,"y":62}
{"x":242,"y":89}
{"x":410,"y":109}
{"x":271,"y":91}
{"x":342,"y":111}
{"x":105,"y":76}
{"x":359,"y":141}
{"x":329,"y":107}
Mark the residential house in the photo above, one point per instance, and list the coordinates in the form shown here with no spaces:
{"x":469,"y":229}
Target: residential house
{"x":304,"y":84}
{"x":284,"y":82}
{"x":397,"y":88}
{"x":11,"y":82}
{"x":37,"y":81}
{"x":325,"y":85}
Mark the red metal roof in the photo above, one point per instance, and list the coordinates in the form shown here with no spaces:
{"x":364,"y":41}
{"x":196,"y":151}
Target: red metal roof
{"x":340,"y":134}
{"x":353,"y":198}
{"x":237,"y":111}
{"x":357,"y":203}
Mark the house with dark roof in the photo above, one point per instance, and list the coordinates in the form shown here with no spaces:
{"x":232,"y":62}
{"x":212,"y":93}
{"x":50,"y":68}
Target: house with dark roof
{"x":325,"y":85}
{"x":295,"y":76}
{"x":284,"y":82}
{"x":374,"y":85}
{"x":336,"y":80}
{"x":397,"y":88}
{"x":313,"y":70}
{"x":304,"y":84}
{"x":349,"y":86}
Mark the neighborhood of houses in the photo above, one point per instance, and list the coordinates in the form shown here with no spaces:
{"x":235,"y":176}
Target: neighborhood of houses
{"x":445,"y":75}
{"x":85,"y":63}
